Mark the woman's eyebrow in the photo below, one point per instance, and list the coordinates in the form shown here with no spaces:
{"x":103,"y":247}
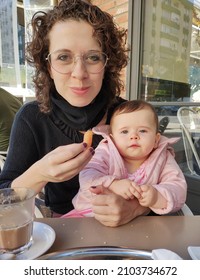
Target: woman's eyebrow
{"x":61,"y":50}
{"x":68,"y":50}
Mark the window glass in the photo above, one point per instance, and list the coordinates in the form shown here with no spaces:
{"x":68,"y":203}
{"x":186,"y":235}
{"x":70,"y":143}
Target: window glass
{"x":170,"y":70}
{"x":31,"y":7}
{"x":11,"y":61}
{"x":171,"y":52}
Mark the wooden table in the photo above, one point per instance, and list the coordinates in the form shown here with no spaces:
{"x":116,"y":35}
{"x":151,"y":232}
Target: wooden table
{"x":175,"y":233}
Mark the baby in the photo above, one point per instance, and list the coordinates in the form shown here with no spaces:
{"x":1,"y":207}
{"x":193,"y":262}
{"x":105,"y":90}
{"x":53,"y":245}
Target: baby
{"x":134,"y":161}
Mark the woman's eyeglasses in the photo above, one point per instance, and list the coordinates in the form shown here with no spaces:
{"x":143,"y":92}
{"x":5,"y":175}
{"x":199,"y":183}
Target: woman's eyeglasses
{"x":63,"y":62}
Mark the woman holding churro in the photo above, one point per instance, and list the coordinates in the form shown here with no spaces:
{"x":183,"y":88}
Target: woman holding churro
{"x":78,"y":53}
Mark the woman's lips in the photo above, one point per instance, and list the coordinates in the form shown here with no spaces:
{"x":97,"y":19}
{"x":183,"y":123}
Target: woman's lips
{"x":80,"y":90}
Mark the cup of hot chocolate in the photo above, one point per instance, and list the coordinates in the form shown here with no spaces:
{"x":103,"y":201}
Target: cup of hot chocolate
{"x":16,"y":219}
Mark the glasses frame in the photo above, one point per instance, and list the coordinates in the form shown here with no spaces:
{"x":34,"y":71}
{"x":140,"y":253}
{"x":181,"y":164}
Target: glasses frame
{"x":74,"y":63}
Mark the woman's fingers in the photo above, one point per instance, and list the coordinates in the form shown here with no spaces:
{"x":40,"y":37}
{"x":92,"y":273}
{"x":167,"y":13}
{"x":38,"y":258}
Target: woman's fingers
{"x":97,"y":189}
{"x":65,"y":153}
{"x":65,"y":162}
{"x":73,"y":166}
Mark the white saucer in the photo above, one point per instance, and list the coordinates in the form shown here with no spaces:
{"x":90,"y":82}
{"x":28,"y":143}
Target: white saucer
{"x":194,"y":252}
{"x":43,"y":238}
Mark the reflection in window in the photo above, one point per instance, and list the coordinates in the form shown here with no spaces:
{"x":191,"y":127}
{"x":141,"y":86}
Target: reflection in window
{"x":167,"y":53}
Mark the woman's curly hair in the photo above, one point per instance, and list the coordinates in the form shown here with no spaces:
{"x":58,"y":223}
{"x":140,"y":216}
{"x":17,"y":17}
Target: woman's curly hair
{"x":112,"y":40}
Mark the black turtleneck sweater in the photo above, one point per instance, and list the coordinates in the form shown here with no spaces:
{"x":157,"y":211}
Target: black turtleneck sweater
{"x":33,"y":135}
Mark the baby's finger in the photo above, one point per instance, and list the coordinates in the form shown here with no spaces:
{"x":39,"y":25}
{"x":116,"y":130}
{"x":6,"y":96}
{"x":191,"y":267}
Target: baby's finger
{"x":129,"y":194}
{"x":135,"y":193}
{"x":144,"y":188}
{"x":136,"y":187}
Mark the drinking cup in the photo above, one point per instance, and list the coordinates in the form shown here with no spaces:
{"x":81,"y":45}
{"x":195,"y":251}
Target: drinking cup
{"x":16,"y":219}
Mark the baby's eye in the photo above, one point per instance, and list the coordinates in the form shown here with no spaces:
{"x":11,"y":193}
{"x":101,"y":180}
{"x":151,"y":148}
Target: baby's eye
{"x":143,"y":131}
{"x":124,"y":131}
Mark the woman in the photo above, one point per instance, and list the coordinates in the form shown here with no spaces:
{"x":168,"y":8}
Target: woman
{"x":78,"y":53}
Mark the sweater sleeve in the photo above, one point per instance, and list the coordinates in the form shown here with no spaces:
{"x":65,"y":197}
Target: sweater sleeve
{"x":22,"y":152}
{"x":172,"y":185}
{"x":95,"y":173}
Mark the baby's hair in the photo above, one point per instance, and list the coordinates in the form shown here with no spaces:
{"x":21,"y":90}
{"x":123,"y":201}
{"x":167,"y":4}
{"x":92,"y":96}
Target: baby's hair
{"x":135,"y":105}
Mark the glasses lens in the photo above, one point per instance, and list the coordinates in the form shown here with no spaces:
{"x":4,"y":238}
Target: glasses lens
{"x":95,"y":61}
{"x":63,"y":62}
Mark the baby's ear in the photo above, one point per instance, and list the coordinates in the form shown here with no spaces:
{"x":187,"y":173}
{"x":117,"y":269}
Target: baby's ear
{"x":112,"y":138}
{"x":157,"y":139}
{"x":109,"y":129}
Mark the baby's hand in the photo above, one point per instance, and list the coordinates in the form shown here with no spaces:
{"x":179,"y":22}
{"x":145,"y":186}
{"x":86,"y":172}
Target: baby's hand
{"x":135,"y":190}
{"x":122,"y":188}
{"x":148,"y":196}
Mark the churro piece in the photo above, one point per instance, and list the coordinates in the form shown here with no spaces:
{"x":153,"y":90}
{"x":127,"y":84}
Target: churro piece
{"x":88,"y":135}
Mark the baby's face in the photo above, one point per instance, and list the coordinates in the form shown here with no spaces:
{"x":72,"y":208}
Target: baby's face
{"x":134,"y":134}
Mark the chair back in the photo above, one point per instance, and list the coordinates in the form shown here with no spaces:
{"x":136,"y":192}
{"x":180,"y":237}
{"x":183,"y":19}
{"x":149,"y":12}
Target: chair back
{"x":189,"y":121}
{"x":2,"y":159}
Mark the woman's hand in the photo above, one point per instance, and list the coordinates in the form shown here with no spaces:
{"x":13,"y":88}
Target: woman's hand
{"x":59,"y":165}
{"x":64,"y":162}
{"x":113,"y":210}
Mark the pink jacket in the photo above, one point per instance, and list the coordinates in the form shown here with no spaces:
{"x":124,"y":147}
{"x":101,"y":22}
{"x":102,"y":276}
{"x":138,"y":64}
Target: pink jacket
{"x":160,"y":170}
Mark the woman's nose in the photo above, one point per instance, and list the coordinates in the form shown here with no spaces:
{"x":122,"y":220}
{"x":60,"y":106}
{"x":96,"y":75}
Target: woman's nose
{"x":79,"y":70}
